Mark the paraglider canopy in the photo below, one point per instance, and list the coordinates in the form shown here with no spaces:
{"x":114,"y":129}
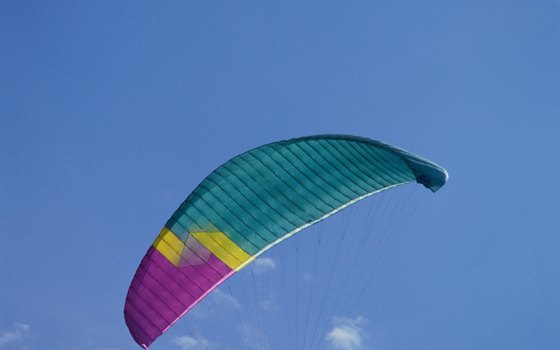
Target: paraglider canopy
{"x":251,"y":203}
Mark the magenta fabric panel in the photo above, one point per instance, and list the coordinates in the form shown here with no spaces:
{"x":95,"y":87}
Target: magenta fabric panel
{"x":160,"y":293}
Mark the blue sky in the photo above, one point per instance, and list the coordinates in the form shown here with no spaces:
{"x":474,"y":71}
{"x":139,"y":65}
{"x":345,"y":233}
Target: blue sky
{"x":112,"y":112}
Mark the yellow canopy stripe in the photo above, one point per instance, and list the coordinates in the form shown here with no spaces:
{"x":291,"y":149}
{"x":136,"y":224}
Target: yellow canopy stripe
{"x":223,"y":248}
{"x":169,"y":246}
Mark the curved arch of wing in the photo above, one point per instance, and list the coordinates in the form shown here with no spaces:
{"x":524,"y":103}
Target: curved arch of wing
{"x":251,"y":203}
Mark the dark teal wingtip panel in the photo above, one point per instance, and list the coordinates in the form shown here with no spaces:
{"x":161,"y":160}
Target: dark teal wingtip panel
{"x":427,"y":173}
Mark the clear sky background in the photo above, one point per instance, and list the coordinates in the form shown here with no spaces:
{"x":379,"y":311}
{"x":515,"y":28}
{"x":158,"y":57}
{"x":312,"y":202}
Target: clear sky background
{"x":111,"y":112}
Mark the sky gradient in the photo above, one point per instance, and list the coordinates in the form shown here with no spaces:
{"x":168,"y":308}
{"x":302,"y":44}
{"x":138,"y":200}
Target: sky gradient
{"x":112,"y":112}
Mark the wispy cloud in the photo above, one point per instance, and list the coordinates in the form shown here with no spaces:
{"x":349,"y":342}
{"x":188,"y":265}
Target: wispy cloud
{"x":224,"y":299}
{"x":253,"y":338}
{"x":262,"y":265}
{"x":14,"y":336}
{"x":215,"y":301}
{"x":347,"y":333}
{"x":191,"y":343}
{"x":307,"y":278}
{"x":269,"y":305}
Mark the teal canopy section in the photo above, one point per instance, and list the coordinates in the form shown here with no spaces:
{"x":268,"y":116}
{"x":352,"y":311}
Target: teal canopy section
{"x":266,"y":194}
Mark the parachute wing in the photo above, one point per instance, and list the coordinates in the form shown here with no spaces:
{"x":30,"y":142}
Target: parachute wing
{"x":249,"y":204}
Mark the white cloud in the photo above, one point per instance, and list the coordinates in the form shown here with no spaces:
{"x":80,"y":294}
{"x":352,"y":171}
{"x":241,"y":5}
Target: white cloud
{"x":262,"y":265}
{"x":191,"y":343}
{"x":269,"y":305}
{"x":215,"y":302}
{"x":347,"y":333}
{"x":16,"y":335}
{"x":307,"y":278}
{"x":253,"y":338}
{"x":224,"y":299}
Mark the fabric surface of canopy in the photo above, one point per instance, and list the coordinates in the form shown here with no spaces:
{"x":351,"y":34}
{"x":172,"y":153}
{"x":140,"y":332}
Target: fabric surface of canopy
{"x":249,"y":204}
